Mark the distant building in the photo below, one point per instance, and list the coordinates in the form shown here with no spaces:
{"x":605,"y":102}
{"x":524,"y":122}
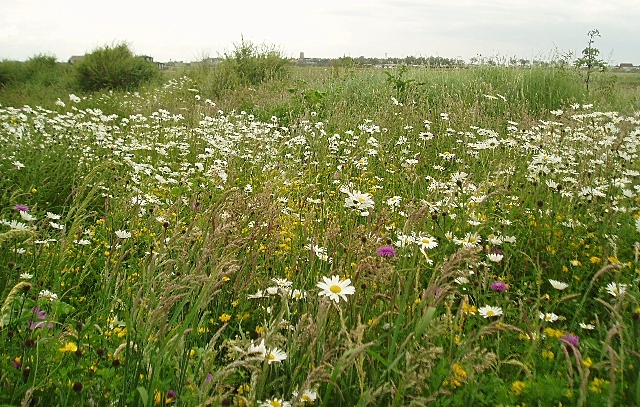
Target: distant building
{"x":626,"y":65}
{"x":302,"y":55}
{"x":147,"y":58}
{"x":75,"y":58}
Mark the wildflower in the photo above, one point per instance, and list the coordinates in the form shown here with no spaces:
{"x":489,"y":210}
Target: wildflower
{"x":547,"y":354}
{"x":558,"y":285}
{"x":553,"y":333}
{"x":282,"y":282}
{"x":46,"y":294}
{"x":259,"y":349}
{"x":15,"y":225}
{"x":571,"y":339}
{"x":596,"y":384}
{"x":517,"y":387}
{"x":335,"y":289}
{"x":495,"y":257}
{"x":259,"y":294}
{"x":386,"y":251}
{"x":53,"y":216}
{"x":123,"y":234}
{"x":225,"y":317}
{"x":298,"y":294}
{"x":616,"y":289}
{"x":499,"y":286}
{"x":275,"y":403}
{"x":26,"y":276}
{"x":27,"y":216}
{"x":587,"y":362}
{"x":56,"y":226}
{"x":21,"y":208}
{"x":489,"y":311}
{"x":275,"y":355}
{"x":587,"y":326}
{"x":549,"y":317}
{"x":18,"y":164}
{"x":69,"y":347}
{"x":41,"y":315}
{"x":358,"y":200}
{"x":16,"y":363}
{"x":308,"y":396}
{"x":469,"y":309}
{"x":171,"y":395}
{"x":426,"y":241}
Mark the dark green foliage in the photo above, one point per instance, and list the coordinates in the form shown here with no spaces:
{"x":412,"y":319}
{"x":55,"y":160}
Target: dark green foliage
{"x":113,"y":68}
{"x":40,"y":69}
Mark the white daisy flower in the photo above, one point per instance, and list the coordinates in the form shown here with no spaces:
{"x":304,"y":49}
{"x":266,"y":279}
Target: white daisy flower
{"x":334,"y":288}
{"x":558,"y":285}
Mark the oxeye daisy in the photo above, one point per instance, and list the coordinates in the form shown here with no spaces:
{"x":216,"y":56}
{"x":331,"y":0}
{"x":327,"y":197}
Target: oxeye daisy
{"x":123,"y":234}
{"x":558,"y":285}
{"x":616,"y":289}
{"x":334,"y":288}
{"x":488,"y":311}
{"x":275,"y":355}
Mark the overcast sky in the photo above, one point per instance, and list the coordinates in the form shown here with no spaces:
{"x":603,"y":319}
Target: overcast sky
{"x":188,"y":30}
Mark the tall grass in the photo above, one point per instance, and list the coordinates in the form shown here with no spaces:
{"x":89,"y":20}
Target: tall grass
{"x":165,"y":246}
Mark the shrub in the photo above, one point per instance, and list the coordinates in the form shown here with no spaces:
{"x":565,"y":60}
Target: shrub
{"x":113,"y":68}
{"x":247,"y":64}
{"x":253,"y":64}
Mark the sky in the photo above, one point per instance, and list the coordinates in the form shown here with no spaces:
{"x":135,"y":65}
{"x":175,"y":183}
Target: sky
{"x":189,"y":30}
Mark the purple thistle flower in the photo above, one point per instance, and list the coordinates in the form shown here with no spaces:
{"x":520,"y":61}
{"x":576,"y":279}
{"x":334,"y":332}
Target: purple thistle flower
{"x":42,"y":315}
{"x":386,"y":251}
{"x":171,"y":394}
{"x":499,"y":286}
{"x":208,"y":379}
{"x":21,"y":208}
{"x":571,"y":340}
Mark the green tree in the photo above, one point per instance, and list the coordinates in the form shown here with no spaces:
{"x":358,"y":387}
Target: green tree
{"x":589,"y":59}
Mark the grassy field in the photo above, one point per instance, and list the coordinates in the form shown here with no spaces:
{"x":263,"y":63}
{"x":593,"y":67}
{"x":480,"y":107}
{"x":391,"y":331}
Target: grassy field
{"x":330,"y":237}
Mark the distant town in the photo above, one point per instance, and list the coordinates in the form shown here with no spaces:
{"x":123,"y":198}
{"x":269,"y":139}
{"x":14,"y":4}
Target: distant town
{"x":387,"y":62}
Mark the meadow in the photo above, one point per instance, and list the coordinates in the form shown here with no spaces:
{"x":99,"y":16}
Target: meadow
{"x":332,"y":237}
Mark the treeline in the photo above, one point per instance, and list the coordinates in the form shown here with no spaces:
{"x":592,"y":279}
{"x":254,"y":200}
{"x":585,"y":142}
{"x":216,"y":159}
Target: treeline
{"x":383,"y":62}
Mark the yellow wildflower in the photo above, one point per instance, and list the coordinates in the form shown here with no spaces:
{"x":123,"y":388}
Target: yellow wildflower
{"x":517,"y":387}
{"x":69,"y":347}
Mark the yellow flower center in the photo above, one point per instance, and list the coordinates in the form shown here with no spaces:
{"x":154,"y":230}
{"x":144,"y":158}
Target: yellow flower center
{"x":271,"y":356}
{"x":491,"y":313}
{"x":336,"y":289}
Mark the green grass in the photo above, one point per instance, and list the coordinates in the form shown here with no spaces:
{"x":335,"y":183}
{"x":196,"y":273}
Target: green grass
{"x":179,"y":203}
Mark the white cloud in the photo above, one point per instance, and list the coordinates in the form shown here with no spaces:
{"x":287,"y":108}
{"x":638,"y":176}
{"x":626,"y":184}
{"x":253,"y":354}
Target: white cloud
{"x":188,"y":29}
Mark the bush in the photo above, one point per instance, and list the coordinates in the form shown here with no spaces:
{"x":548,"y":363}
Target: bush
{"x":113,"y":68}
{"x":247,"y":64}
{"x":255,"y":64}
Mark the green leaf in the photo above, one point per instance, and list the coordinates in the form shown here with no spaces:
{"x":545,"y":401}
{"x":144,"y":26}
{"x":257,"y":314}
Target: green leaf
{"x":144,"y":396}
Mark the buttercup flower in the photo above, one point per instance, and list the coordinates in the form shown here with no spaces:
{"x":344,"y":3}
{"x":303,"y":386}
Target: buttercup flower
{"x":336,"y":289}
